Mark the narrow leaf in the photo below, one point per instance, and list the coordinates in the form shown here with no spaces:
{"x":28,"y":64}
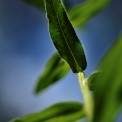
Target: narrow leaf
{"x":64,"y":36}
{"x":83,"y":12}
{"x":68,"y":118}
{"x":60,"y":110}
{"x":108,"y":85}
{"x":55,"y":69}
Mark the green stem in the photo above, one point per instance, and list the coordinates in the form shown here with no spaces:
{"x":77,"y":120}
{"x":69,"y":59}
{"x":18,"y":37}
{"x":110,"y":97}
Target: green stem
{"x":88,"y":99}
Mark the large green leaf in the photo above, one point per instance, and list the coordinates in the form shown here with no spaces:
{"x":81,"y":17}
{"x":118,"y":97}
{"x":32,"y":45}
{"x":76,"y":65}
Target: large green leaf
{"x":82,"y":13}
{"x":64,"y":36}
{"x":108,"y":85}
{"x":62,"y":111}
{"x":55,"y":69}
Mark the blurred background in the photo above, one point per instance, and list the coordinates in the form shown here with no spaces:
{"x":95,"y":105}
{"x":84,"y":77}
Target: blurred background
{"x":25,"y":47}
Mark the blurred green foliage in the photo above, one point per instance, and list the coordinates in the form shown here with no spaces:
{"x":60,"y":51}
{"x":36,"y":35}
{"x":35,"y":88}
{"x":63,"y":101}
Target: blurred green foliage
{"x":83,"y":12}
{"x":60,"y":112}
{"x":55,"y":69}
{"x":37,"y":3}
{"x":106,"y":84}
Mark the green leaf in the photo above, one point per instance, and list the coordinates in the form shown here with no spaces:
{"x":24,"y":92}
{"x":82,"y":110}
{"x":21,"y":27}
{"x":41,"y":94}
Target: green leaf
{"x":64,"y":36}
{"x":83,"y":12}
{"x":37,"y":3}
{"x":68,"y":118}
{"x":55,"y":69}
{"x":91,"y":79}
{"x":108,"y":85}
{"x":80,"y":14}
{"x":60,"y":111}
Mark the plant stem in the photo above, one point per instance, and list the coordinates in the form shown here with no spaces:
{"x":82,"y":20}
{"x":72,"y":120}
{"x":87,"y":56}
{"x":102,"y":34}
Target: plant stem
{"x":88,"y":99}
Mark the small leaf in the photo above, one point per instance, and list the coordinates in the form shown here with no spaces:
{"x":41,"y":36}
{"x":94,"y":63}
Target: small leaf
{"x":91,"y":79}
{"x":60,"y":111}
{"x":108,"y":85}
{"x":55,"y":70}
{"x":83,"y":12}
{"x":64,"y":36}
{"x":37,"y":3}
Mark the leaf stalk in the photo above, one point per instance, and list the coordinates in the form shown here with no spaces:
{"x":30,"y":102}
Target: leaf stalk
{"x":88,"y":99}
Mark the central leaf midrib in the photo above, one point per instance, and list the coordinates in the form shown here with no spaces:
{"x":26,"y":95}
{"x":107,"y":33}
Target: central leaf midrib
{"x":64,"y":34}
